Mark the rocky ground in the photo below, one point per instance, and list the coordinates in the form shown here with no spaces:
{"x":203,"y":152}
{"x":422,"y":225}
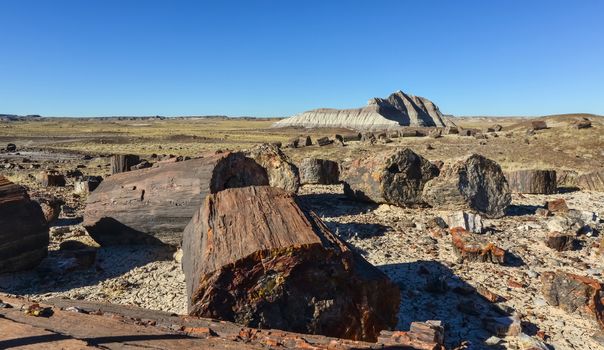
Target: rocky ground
{"x":406,"y":244}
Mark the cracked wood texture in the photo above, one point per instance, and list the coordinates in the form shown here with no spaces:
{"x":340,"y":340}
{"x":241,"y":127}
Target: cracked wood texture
{"x":154,"y":205}
{"x":532,"y":181}
{"x":394,"y":177}
{"x":254,"y":256}
{"x":23,"y":229}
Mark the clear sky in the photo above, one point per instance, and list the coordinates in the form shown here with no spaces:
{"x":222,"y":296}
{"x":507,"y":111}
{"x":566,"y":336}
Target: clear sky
{"x":280,"y":57}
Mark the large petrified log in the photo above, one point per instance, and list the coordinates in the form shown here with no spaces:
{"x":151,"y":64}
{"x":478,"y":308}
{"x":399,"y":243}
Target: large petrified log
{"x":319,"y":171}
{"x":50,"y":178}
{"x":395,"y":177}
{"x":473,"y":247}
{"x":281,"y":171}
{"x":252,"y":255}
{"x":121,"y":163}
{"x":23,"y":229}
{"x":474,"y":182}
{"x":574,"y":294}
{"x":593,"y":181}
{"x":532,"y":181}
{"x":144,"y":205}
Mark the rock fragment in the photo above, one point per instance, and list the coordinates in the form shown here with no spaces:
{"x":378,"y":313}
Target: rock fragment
{"x":475,"y":248}
{"x":319,"y":171}
{"x":281,"y":171}
{"x":560,"y":241}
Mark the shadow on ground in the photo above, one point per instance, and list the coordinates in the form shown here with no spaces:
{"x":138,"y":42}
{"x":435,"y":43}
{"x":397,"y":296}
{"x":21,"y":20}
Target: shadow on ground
{"x":334,"y":205}
{"x":432,"y":291}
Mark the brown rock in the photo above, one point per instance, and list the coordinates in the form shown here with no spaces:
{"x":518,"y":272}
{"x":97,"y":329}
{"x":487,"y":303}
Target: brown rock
{"x":319,"y":171}
{"x":23,"y":229}
{"x":574,"y":294}
{"x":145,"y":205}
{"x":532,"y":181}
{"x":474,"y":183}
{"x":281,"y":171}
{"x":582,"y":124}
{"x":305,"y":141}
{"x":557,"y":206}
{"x":395,"y":176}
{"x":351,"y":137}
{"x":560,"y":241}
{"x":324,"y":141}
{"x":51,"y":178}
{"x":473,"y":247}
{"x":538,"y":125}
{"x":51,"y":207}
{"x":252,"y":255}
{"x":593,"y":181}
{"x":427,"y":335}
{"x":498,"y":128}
{"x":123,"y":162}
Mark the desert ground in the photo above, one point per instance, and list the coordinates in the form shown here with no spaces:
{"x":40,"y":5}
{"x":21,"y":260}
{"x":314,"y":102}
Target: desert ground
{"x":401,"y":242}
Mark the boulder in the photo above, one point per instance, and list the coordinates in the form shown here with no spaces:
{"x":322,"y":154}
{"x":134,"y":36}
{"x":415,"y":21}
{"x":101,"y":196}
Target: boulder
{"x":560,"y":241}
{"x":51,"y":207}
{"x":538,"y":125}
{"x":557,"y":206}
{"x":305,"y":141}
{"x":582,"y":124}
{"x":253,"y":255}
{"x":395,"y":176}
{"x":532,"y":181}
{"x":23,"y":229}
{"x":123,"y":162}
{"x":351,"y":137}
{"x":51,"y":179}
{"x":324,"y":141}
{"x":474,"y":182}
{"x":472,"y":247}
{"x":11,"y":147}
{"x":281,"y":171}
{"x":319,"y":171}
{"x":152,"y":204}
{"x":574,"y":294}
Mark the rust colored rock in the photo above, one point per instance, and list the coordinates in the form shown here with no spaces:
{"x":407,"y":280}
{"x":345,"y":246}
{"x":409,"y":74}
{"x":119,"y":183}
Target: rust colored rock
{"x":560,"y":241}
{"x":574,"y":294}
{"x":593,"y":181}
{"x":152,"y":204}
{"x":532,"y":181}
{"x":538,"y":125}
{"x":253,"y":256}
{"x":23,"y":229}
{"x":474,"y":182}
{"x":395,"y":176}
{"x":473,"y":247}
{"x":51,"y":178}
{"x":123,"y":162}
{"x":281,"y":171}
{"x":427,"y":335}
{"x":557,"y":206}
{"x":319,"y":171}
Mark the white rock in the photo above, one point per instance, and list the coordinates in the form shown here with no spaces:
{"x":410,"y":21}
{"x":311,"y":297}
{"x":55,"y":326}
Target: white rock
{"x":469,"y":221}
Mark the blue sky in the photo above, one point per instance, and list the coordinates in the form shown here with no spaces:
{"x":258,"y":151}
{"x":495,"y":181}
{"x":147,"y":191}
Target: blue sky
{"x":276,"y":58}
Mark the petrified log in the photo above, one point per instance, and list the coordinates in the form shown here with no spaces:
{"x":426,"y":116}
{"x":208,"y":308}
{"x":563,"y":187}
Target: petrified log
{"x":560,"y":241}
{"x":50,"y":205}
{"x":593,"y":181}
{"x":474,"y":182}
{"x":532,"y":181}
{"x":395,"y":176}
{"x":574,"y":294}
{"x":324,"y":141}
{"x":160,"y":201}
{"x":23,"y":229}
{"x":252,"y":255}
{"x":123,"y":162}
{"x":86,"y":184}
{"x":473,"y":247}
{"x":468,"y":221}
{"x":582,"y":124}
{"x":305,"y":141}
{"x":538,"y":125}
{"x":498,"y":127}
{"x":429,"y":335}
{"x":351,"y":137}
{"x":11,"y":147}
{"x":319,"y":171}
{"x":281,"y":171}
{"x":51,"y":178}
{"x":408,"y":133}
{"x":451,"y":130}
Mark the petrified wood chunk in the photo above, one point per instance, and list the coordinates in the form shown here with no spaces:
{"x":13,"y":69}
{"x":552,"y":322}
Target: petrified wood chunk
{"x":429,"y":335}
{"x":319,"y":171}
{"x":351,"y":137}
{"x":451,"y":130}
{"x":160,"y":201}
{"x":574,"y":294}
{"x":281,"y":171}
{"x":51,"y":178}
{"x":50,"y":205}
{"x":532,"y":181}
{"x":123,"y":162}
{"x":557,"y":206}
{"x":23,"y":229}
{"x":468,"y":221}
{"x":324,"y":141}
{"x":582,"y":124}
{"x":538,"y":125}
{"x":474,"y":182}
{"x":86,"y":184}
{"x":395,"y":176}
{"x":473,"y":247}
{"x":593,"y":181}
{"x":252,"y":255}
{"x":560,"y":241}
